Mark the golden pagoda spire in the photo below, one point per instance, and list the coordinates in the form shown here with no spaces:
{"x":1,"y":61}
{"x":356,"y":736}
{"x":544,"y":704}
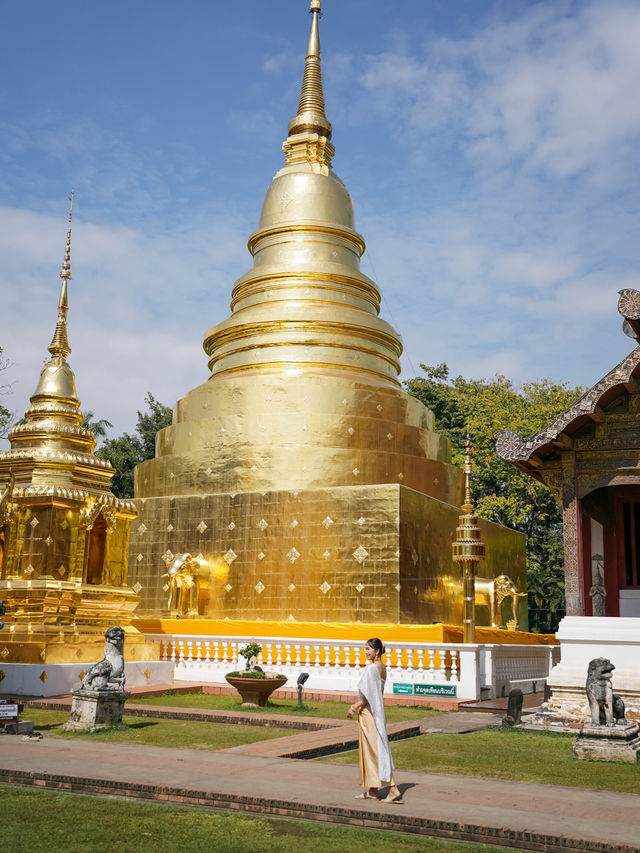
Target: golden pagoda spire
{"x":55,"y":453}
{"x":310,"y":131}
{"x":467,"y":506}
{"x":59,"y":345}
{"x":311,"y":115}
{"x":468,"y":549}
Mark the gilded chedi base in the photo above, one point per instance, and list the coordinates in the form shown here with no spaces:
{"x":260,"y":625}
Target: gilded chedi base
{"x":378,"y":554}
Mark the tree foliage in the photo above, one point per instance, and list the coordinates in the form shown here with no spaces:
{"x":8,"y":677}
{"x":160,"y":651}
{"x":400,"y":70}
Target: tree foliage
{"x":98,"y":428}
{"x":126,"y":451}
{"x":501,"y":492}
{"x":5,"y":388}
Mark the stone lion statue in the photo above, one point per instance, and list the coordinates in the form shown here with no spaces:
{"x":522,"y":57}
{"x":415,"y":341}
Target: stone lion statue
{"x":111,"y":667}
{"x":606,"y":708}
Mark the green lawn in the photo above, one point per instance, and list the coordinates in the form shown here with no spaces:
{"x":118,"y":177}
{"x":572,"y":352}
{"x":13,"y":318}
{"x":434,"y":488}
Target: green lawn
{"x":334,"y":710}
{"x":175,"y":733}
{"x":44,"y":821}
{"x":509,"y":754}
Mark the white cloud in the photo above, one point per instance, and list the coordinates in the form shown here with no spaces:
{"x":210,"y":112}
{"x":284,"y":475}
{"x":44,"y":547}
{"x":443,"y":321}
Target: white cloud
{"x":139,"y":305}
{"x":555,"y":88}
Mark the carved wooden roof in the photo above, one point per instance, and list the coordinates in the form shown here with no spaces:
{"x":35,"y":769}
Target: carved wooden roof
{"x":512,"y":448}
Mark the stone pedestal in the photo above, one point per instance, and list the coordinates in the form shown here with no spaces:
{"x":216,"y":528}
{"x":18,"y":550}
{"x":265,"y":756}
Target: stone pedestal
{"x":608,"y":743}
{"x":96,"y":709}
{"x":583,"y":638}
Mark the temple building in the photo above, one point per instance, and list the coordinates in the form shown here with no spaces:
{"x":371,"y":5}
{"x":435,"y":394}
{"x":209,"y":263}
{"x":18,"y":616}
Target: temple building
{"x":64,"y":537}
{"x":590,"y":459}
{"x":303,"y":480}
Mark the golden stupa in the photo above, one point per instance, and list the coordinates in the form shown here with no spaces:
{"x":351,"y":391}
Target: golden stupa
{"x":306,"y":482}
{"x":64,"y":537}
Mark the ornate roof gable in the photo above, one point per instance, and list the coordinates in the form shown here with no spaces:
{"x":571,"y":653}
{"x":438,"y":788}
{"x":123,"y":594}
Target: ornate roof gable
{"x":512,"y":448}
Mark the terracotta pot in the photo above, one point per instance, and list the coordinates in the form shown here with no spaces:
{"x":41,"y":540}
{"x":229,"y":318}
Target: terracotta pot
{"x":255,"y":691}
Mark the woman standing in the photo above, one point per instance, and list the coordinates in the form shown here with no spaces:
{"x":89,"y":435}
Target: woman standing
{"x":376,"y":764}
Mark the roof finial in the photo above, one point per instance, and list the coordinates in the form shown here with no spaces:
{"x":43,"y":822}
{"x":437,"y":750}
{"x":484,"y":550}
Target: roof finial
{"x":311,"y":114}
{"x":59,"y":346}
{"x":468,"y":549}
{"x":467,"y":506}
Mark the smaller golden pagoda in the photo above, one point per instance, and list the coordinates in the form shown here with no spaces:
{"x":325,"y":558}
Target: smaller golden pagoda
{"x":64,"y":536}
{"x":468,"y":549}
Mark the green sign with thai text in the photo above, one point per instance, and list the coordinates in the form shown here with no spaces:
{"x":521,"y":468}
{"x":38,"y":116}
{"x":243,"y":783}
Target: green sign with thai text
{"x":434,"y":689}
{"x":425,"y":689}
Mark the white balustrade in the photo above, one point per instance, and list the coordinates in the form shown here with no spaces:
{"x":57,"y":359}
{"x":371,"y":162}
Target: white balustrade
{"x":456,"y":670}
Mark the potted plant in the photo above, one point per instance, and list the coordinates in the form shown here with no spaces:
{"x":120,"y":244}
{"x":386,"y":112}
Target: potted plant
{"x":253,"y":684}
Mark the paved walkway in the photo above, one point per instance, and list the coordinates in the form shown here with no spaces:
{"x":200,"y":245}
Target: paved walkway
{"x":323,"y":735}
{"x":520,"y":815}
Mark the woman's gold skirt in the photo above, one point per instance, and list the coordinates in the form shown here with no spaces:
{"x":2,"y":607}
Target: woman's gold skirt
{"x":368,"y":743}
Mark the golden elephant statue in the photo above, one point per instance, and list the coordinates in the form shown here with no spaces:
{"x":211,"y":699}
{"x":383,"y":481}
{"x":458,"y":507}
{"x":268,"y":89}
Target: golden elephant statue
{"x":492,"y":592}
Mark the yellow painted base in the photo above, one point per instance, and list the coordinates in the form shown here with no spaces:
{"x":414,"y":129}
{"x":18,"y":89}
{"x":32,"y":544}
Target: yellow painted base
{"x":81,"y":648}
{"x":388,"y":633}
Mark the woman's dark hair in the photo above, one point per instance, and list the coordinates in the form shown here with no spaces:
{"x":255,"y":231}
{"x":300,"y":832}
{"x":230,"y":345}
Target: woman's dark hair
{"x":376,"y":644}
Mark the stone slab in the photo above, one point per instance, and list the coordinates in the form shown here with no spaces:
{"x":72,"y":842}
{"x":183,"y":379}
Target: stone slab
{"x":25,"y":727}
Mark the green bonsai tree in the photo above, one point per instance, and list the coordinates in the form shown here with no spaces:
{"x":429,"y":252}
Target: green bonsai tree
{"x":251,"y":652}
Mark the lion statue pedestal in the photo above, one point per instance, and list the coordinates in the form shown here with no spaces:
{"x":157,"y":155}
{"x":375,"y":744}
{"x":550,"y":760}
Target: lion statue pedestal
{"x":608,"y":743}
{"x":609,"y":737}
{"x":99,"y":702}
{"x":96,"y":709}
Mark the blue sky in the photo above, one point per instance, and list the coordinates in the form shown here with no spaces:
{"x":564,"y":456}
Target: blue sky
{"x":491,"y":150}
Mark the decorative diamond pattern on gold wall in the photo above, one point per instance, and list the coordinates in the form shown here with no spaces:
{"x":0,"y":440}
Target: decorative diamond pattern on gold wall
{"x":396,"y":566}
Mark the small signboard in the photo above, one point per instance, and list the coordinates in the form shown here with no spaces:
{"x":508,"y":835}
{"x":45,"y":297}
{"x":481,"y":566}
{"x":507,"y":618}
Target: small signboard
{"x":434,"y":689}
{"x":9,"y":712}
{"x":425,"y":689}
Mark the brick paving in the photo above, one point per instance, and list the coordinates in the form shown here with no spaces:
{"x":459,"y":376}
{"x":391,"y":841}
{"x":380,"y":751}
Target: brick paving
{"x":518,"y":815}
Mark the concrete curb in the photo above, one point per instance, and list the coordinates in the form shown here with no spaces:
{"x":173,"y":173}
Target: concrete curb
{"x":165,"y":712}
{"x":266,"y":807}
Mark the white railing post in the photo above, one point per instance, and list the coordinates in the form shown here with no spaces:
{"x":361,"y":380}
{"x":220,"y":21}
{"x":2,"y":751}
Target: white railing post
{"x":432,"y":660}
{"x":469,"y":679}
{"x":327,"y":660}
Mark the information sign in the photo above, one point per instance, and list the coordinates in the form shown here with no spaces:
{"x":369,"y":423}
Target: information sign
{"x":434,"y":689}
{"x":403,"y":688}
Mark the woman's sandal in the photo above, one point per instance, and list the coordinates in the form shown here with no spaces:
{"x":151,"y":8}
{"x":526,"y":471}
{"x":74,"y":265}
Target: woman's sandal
{"x":389,"y":799}
{"x":365,"y":796}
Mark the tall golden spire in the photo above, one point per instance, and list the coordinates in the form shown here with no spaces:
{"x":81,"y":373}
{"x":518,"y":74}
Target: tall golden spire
{"x":54,"y":451}
{"x":467,"y":506}
{"x":59,"y":345}
{"x":468,"y":549}
{"x":311,"y":115}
